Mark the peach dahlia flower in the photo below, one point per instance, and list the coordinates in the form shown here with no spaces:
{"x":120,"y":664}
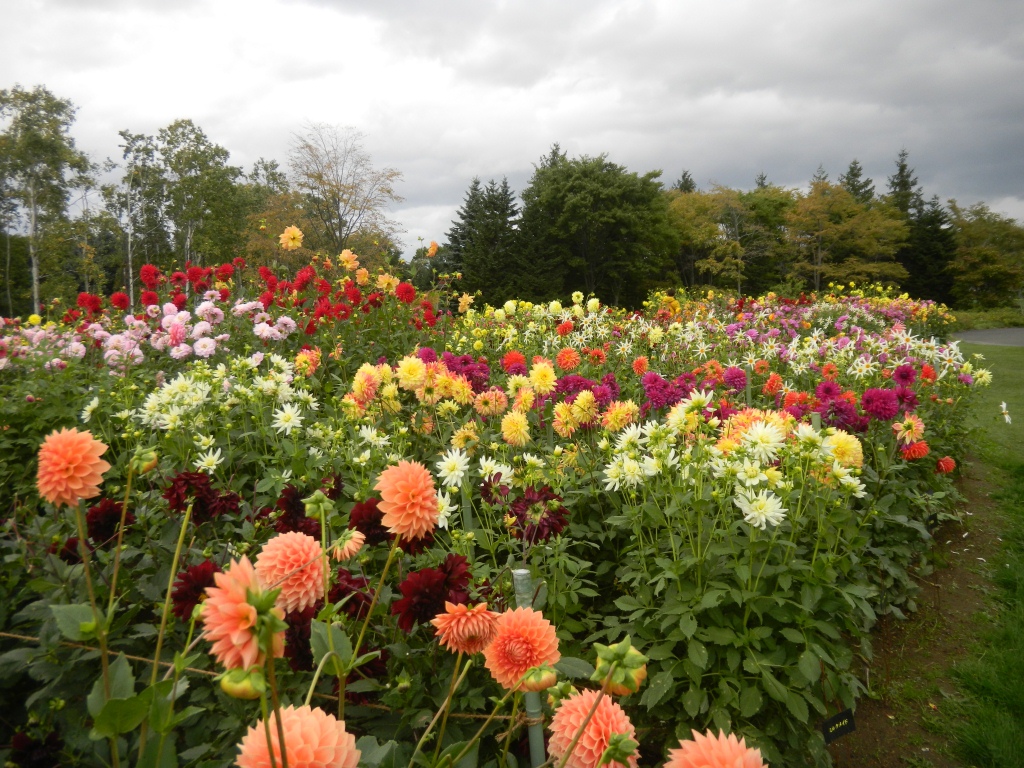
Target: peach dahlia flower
{"x":524,"y":639}
{"x":707,"y":751}
{"x":408,"y":499}
{"x":292,"y":561}
{"x":608,"y":719}
{"x":70,"y":467}
{"x":312,"y":739}
{"x":229,"y":620}
{"x":465,"y":629}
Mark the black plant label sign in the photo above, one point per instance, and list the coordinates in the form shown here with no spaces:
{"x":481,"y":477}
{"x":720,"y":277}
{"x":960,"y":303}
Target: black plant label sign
{"x":838,"y":725}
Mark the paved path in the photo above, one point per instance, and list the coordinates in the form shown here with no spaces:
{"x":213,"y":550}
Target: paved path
{"x":1003,"y":337}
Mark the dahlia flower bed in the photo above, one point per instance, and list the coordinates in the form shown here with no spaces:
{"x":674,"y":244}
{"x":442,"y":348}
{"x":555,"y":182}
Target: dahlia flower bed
{"x":328,"y":520}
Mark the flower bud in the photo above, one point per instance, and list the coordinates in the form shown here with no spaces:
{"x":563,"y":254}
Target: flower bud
{"x":243,"y":683}
{"x":145,"y":459}
{"x":318,"y":506}
{"x":619,"y":750}
{"x":621,"y":668}
{"x":538,"y":678}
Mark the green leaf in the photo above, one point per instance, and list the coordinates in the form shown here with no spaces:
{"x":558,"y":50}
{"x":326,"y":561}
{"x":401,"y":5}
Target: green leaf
{"x":688,"y":624}
{"x":809,"y":666}
{"x":775,"y":689}
{"x":751,"y":701}
{"x":70,"y":619}
{"x":574,"y":668}
{"x":627,"y":603}
{"x":123,"y":715}
{"x":721,"y":635}
{"x":692,"y":701}
{"x":797,"y":706}
{"x":160,"y":753}
{"x":660,"y":685}
{"x":698,"y":654}
{"x":321,"y":645}
{"x":122,"y":686}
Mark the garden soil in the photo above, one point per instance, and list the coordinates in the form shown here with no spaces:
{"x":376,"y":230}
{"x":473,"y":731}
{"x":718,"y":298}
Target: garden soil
{"x":908,"y":722}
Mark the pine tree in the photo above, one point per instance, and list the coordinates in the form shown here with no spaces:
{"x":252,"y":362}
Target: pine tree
{"x":904,"y":193}
{"x":820,"y":176}
{"x":931,"y":247}
{"x":854,"y":182}
{"x":459,"y":234}
{"x":685,"y":183}
{"x":761,"y":180}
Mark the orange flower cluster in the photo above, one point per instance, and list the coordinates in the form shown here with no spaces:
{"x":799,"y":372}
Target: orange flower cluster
{"x":293,"y":562}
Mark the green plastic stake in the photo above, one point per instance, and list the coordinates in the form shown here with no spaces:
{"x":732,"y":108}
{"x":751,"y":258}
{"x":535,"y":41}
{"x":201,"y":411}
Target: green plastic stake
{"x":524,"y":597}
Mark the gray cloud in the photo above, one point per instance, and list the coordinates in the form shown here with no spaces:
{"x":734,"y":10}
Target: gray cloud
{"x":447,"y":91}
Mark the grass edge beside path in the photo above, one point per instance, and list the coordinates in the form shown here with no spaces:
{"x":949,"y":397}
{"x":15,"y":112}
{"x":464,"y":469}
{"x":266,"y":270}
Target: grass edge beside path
{"x":990,"y":733}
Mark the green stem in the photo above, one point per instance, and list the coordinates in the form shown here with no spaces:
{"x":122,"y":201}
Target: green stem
{"x":120,"y":539}
{"x":163,"y":618}
{"x":511,"y":727}
{"x":272,"y":683}
{"x":99,"y":621}
{"x":479,"y":733}
{"x":448,"y":701}
{"x":366,"y":623}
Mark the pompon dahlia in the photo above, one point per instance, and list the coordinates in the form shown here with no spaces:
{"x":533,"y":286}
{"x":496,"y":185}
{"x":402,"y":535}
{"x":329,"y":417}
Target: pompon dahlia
{"x":70,"y":467}
{"x":524,"y":639}
{"x":190,"y":588}
{"x":609,"y":718}
{"x":465,"y":629}
{"x":408,"y":499}
{"x":707,"y":751}
{"x":229,"y":620}
{"x":312,"y":739}
{"x":294,"y":562}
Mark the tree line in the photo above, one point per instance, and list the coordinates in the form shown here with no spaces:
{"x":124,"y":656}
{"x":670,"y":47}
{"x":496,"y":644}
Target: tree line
{"x":582,"y":223}
{"x":587,"y":224}
{"x":175,"y":200}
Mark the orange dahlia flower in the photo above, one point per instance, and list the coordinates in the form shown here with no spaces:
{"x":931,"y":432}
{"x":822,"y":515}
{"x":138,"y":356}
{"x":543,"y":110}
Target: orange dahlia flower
{"x":70,"y":467}
{"x":568,"y":359}
{"x":229,"y":620}
{"x":465,"y":629}
{"x":707,"y":751}
{"x":349,"y":546}
{"x":312,"y":739}
{"x":523,"y":639}
{"x":292,"y":561}
{"x":408,"y":499}
{"x":608,"y":719}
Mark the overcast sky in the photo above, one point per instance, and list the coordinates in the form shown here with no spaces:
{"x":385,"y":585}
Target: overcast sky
{"x":448,"y":90}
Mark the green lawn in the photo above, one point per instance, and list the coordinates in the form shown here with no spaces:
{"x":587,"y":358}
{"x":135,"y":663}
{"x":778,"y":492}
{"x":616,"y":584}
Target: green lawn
{"x":992,"y":730}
